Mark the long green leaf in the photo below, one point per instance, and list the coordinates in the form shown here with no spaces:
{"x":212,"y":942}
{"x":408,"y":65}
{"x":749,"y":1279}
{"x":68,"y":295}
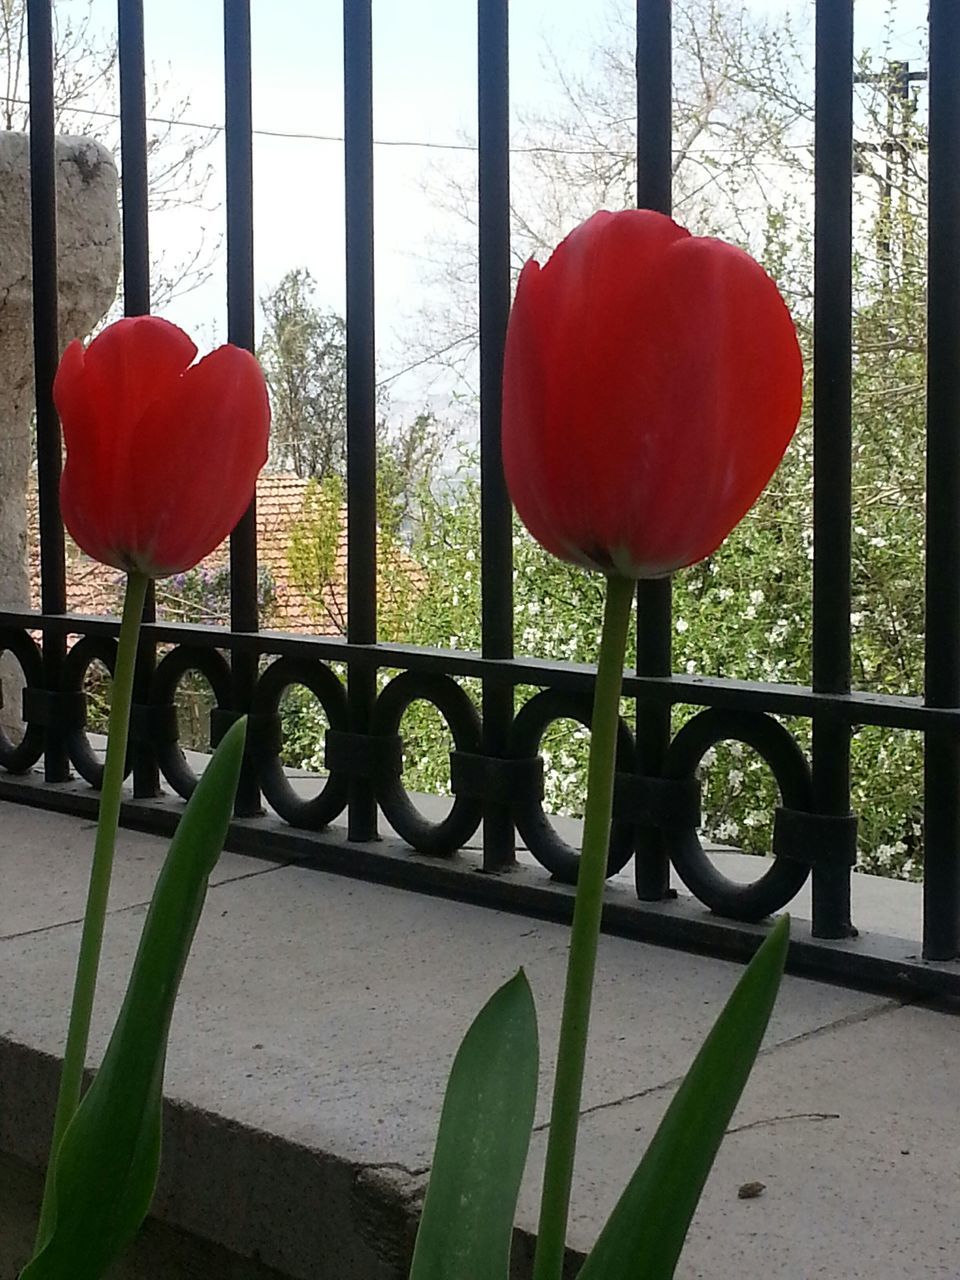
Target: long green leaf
{"x":485,"y":1127}
{"x":644,"y":1235}
{"x":107,"y":1163}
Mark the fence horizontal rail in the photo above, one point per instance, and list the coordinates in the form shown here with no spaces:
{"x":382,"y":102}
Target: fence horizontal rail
{"x":885,"y":710}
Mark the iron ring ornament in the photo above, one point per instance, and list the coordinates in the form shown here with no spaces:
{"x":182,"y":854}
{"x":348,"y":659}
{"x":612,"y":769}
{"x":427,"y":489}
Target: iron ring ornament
{"x":18,"y":757}
{"x":316,"y":812}
{"x":444,"y":838}
{"x":535,"y":828}
{"x":79,"y":658}
{"x":785,"y":876}
{"x":170,"y":671}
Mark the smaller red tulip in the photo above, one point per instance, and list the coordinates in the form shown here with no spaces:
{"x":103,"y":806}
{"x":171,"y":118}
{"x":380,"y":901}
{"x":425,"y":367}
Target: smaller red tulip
{"x":162,"y":454}
{"x":652,"y":382}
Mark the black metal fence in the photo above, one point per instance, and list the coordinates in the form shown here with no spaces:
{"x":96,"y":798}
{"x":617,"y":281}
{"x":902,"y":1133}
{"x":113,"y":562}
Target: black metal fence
{"x":496,"y":771}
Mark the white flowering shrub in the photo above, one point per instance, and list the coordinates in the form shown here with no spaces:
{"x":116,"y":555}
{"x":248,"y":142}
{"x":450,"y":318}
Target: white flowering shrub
{"x":303,"y":725}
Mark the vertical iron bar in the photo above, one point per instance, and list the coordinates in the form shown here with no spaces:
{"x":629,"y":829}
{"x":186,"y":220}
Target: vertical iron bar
{"x":46,"y":350}
{"x":832,"y":442}
{"x":361,"y":388}
{"x":496,"y":520}
{"x":654,"y":598}
{"x":133,"y":158}
{"x":244,"y":614}
{"x":136,"y":298}
{"x":941,"y":885}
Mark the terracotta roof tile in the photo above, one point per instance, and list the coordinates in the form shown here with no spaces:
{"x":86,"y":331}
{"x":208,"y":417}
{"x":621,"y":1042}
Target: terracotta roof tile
{"x":93,"y":588}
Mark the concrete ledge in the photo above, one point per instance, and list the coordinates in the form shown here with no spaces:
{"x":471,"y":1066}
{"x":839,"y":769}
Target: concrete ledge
{"x":230,"y":1196}
{"x":884,"y":957}
{"x":317,"y":1023}
{"x":160,"y":1252}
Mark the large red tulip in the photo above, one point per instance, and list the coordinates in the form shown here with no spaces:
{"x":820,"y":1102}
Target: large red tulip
{"x":652,"y":382}
{"x":162,"y":454}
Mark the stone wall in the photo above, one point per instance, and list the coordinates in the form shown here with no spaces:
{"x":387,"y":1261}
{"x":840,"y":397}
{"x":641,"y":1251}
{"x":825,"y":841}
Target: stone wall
{"x":89,"y":267}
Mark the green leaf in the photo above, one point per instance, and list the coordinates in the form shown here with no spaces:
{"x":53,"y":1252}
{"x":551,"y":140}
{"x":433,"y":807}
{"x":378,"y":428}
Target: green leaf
{"x":645,"y":1233}
{"x":485,"y":1127}
{"x":108,"y":1161}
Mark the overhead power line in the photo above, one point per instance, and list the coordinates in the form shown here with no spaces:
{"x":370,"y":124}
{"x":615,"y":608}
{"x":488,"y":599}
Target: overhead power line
{"x":425,"y":144}
{"x":306,"y":136}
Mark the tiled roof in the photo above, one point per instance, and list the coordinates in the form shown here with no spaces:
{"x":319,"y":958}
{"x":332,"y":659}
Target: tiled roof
{"x":93,"y":588}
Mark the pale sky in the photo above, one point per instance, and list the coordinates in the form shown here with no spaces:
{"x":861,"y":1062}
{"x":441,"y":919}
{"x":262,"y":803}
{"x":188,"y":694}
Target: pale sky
{"x":425,"y":91}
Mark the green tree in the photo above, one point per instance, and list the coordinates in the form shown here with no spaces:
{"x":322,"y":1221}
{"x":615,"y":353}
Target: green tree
{"x":316,"y":567}
{"x":312,"y":553}
{"x":408,"y":460}
{"x":304,"y":357}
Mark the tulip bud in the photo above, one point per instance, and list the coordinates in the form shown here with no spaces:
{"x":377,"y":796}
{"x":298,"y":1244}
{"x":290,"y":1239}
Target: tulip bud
{"x":162,"y":455}
{"x":652,"y":381}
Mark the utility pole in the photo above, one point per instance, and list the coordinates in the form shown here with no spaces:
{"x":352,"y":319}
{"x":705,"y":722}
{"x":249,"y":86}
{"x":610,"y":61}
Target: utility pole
{"x":896,"y":79}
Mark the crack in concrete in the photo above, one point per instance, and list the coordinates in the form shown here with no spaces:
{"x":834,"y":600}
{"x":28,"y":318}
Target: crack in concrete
{"x":814,"y":1116}
{"x":136,"y":906}
{"x":838,"y":1024}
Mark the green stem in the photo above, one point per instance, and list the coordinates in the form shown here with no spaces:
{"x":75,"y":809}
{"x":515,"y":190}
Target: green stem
{"x":91,"y":938}
{"x":584,"y":935}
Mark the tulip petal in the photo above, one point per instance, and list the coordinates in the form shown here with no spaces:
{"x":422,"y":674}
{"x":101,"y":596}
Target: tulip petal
{"x":595,"y":312}
{"x":100,"y":394}
{"x":70,"y":394}
{"x":619,"y":320}
{"x":206,"y":444}
{"x":82,"y":486}
{"x":524,"y":393}
{"x":724,"y":405}
{"x":133,"y":362}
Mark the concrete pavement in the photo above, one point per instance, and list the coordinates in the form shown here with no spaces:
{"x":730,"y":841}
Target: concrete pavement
{"x":316,"y":1026}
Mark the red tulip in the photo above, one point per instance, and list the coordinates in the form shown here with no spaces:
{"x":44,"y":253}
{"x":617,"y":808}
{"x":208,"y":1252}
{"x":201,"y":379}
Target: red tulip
{"x":652,"y":382}
{"x":162,"y":454}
